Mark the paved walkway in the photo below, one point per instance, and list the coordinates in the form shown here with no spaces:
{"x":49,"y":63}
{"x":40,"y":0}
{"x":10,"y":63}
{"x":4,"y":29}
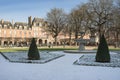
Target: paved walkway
{"x":59,"y":69}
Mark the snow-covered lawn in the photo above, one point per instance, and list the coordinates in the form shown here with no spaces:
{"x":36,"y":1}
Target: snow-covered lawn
{"x":58,"y":69}
{"x":89,"y":60}
{"x":21,"y":57}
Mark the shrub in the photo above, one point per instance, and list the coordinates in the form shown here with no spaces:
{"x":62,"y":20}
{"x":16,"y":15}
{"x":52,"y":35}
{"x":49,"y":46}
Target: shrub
{"x":33,"y":53}
{"x":103,"y":51}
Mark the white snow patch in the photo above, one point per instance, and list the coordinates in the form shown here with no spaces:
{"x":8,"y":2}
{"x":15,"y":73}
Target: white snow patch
{"x":58,"y":69}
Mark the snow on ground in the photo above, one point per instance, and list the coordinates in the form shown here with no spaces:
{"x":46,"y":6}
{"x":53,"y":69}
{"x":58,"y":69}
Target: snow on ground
{"x":89,"y":60}
{"x":59,"y":69}
{"x":21,"y":57}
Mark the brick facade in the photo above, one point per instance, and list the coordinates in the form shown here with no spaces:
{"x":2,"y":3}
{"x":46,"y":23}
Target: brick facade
{"x":20,"y":33}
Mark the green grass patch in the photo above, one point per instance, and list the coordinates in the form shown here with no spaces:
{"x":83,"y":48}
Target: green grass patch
{"x":114,"y":49}
{"x":111,"y":49}
{"x":13,"y":49}
{"x":49,"y":49}
{"x":57,"y":49}
{"x":42,"y":49}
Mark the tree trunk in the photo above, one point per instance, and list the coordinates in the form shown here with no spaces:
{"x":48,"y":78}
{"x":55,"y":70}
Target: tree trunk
{"x":56,"y":41}
{"x":70,"y":38}
{"x":76,"y":37}
{"x":100,"y":33}
{"x":117,"y":42}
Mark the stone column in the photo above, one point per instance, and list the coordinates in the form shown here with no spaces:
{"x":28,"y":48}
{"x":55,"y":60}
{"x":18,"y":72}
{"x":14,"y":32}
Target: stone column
{"x":92,"y":40}
{"x":2,"y":43}
{"x":81,"y":46}
{"x":37,"y":41}
{"x":13,"y":43}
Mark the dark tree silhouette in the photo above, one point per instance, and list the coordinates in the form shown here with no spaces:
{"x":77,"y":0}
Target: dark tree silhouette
{"x":56,"y":19}
{"x":33,"y":53}
{"x":103,"y":51}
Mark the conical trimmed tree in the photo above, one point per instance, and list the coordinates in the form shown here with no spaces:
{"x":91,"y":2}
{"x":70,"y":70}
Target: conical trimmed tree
{"x":103,"y":51}
{"x":33,"y":53}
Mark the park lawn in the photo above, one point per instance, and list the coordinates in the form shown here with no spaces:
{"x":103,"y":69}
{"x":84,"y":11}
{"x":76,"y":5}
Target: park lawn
{"x":12,"y":49}
{"x":51,"y":49}
{"x":42,"y":49}
{"x":111,"y":48}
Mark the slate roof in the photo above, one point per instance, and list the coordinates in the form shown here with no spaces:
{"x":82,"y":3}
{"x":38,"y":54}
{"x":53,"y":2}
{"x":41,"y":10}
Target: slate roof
{"x":37,"y":20}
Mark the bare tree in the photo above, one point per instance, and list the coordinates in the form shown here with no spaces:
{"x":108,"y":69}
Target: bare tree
{"x":69,"y":28}
{"x":76,"y":22}
{"x":76,"y":19}
{"x":100,"y":12}
{"x":56,"y":21}
{"x":116,"y":23}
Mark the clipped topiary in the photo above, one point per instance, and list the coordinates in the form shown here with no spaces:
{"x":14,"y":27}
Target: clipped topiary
{"x":33,"y":53}
{"x":103,"y":51}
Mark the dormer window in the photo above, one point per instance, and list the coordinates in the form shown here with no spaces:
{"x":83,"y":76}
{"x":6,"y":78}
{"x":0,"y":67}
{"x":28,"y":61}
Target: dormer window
{"x":37,"y":24}
{"x":5,"y":26}
{"x":40,"y":24}
{"x":10,"y":32}
{"x":34,"y":24}
{"x":20,"y":27}
{"x":25,"y":27}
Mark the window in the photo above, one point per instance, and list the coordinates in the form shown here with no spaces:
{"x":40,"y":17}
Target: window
{"x":20,"y":32}
{"x":5,"y":32}
{"x":25,"y":33}
{"x":30,"y":35}
{"x":34,"y":24}
{"x":0,"y":32}
{"x":40,"y":24}
{"x":20,"y":27}
{"x":10,"y":32}
{"x":5,"y":26}
{"x":25,"y":27}
{"x":14,"y":33}
{"x":37,"y":24}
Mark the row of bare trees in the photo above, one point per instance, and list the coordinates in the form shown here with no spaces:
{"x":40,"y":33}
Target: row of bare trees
{"x":95,"y":16}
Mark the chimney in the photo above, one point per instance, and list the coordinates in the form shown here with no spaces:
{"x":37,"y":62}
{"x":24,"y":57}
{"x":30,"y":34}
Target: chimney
{"x":30,"y":21}
{"x":2,"y":21}
{"x":12,"y":24}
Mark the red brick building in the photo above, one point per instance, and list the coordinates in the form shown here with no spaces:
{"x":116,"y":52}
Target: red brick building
{"x":20,"y":33}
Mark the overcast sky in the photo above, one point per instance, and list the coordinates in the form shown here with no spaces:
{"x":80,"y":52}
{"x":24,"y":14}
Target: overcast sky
{"x":19,"y":10}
